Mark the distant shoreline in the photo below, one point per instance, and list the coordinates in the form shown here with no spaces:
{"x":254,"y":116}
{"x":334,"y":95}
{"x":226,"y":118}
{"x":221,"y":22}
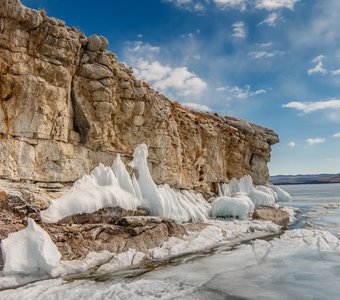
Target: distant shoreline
{"x":305,"y":179}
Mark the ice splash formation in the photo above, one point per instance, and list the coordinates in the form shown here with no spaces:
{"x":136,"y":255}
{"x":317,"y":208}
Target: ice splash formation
{"x":114,"y":186}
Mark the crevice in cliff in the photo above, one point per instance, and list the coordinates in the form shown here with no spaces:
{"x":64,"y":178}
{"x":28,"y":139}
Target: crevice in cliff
{"x":80,"y":122}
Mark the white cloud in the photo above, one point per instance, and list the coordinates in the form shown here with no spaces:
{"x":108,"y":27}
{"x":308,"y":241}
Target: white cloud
{"x":151,"y":71}
{"x":275,"y":4}
{"x":166,"y":79}
{"x":307,"y":107}
{"x":197,"y":106}
{"x":190,"y":5}
{"x":241,"y":93}
{"x":291,"y":144}
{"x":172,"y":81}
{"x":242,"y":5}
{"x":135,"y":49}
{"x":272,"y":19}
{"x":265,"y":45}
{"x":239,"y":30}
{"x":335,"y":72}
{"x":226,"y":4}
{"x":265,"y":54}
{"x":319,"y":67}
{"x":315,"y":141}
{"x":336,"y":135}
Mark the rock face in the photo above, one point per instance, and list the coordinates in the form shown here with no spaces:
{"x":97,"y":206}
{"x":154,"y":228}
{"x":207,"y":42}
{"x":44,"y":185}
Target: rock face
{"x":66,"y":104}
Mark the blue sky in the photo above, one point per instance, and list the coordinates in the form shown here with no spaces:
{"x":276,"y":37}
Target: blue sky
{"x":272,"y":62}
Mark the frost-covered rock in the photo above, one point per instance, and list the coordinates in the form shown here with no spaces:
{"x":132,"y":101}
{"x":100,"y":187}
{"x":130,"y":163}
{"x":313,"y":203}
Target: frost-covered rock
{"x":90,"y":193}
{"x":237,"y":207}
{"x":28,"y":251}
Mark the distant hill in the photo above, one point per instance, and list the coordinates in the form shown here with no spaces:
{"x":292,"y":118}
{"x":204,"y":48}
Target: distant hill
{"x":305,"y":179}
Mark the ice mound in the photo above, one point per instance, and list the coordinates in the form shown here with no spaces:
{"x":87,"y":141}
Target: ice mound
{"x":237,"y":207}
{"x":163,"y":201}
{"x":28,"y":251}
{"x":92,"y":192}
{"x":260,"y":195}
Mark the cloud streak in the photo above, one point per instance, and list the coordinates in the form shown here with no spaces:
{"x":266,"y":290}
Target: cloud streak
{"x":240,"y":93}
{"x":265,"y":54}
{"x":271,"y":20}
{"x":239,"y":30}
{"x":308,"y":107}
{"x":275,"y":4}
{"x":241,"y":5}
{"x":315,"y":141}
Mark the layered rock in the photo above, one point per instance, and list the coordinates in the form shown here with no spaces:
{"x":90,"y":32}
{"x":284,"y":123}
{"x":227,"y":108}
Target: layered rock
{"x":66,"y":104}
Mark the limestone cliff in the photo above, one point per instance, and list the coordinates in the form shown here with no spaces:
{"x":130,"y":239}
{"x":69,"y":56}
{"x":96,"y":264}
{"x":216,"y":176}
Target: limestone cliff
{"x":66,"y":104}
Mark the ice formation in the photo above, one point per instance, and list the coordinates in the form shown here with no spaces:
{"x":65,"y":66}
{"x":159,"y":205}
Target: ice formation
{"x":282,"y":195}
{"x":260,"y":195}
{"x":92,"y":192}
{"x":111,"y":187}
{"x":163,"y":201}
{"x":28,"y":251}
{"x":237,"y":207}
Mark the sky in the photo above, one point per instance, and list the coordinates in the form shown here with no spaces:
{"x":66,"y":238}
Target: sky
{"x":272,"y":62}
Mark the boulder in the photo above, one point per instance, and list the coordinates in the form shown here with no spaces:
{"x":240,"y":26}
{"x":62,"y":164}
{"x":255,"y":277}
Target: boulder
{"x":273,"y":214}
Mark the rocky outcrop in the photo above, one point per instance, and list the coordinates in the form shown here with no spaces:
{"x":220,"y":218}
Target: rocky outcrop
{"x":112,"y":229}
{"x":276,"y":215}
{"x":66,"y":104}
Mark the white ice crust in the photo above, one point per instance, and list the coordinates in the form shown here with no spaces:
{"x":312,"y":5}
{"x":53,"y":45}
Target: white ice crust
{"x":28,"y":251}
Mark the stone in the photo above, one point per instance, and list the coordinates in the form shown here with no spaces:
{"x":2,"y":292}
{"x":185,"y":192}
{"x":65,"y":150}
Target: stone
{"x":95,"y":71}
{"x":268,"y":213}
{"x":105,"y":43}
{"x":138,"y":121}
{"x":94,"y":43}
{"x":101,"y":96}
